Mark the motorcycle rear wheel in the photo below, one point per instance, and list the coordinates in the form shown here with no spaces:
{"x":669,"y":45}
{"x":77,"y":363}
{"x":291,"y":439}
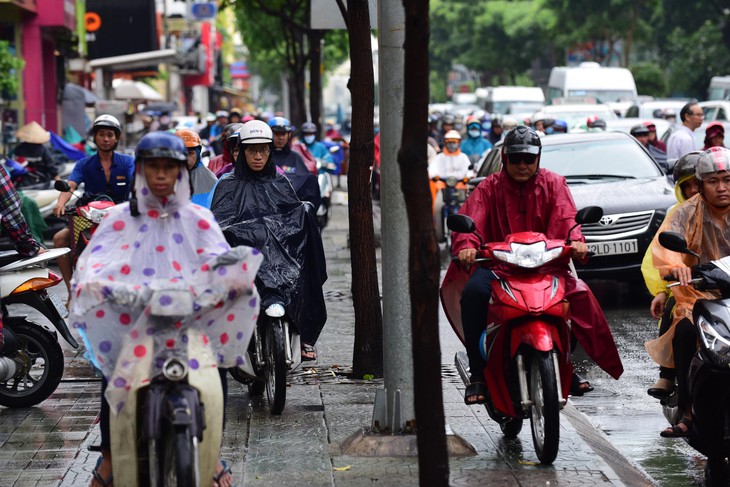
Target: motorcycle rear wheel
{"x":545,"y":410}
{"x":276,"y":369}
{"x":41,"y":370}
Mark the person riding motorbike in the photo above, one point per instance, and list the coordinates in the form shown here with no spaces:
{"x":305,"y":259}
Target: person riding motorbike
{"x":227,"y":156}
{"x":201,"y":178}
{"x":474,"y":146}
{"x":257,"y":206}
{"x":159,"y":242}
{"x":522,"y":197}
{"x":33,"y":152}
{"x":304,"y":182}
{"x":450,"y":162}
{"x":309,"y":137}
{"x":448,"y":121}
{"x":595,"y":124}
{"x":704,"y":221}
{"x":686,"y":186}
{"x":105,"y":173}
{"x":641,"y":133}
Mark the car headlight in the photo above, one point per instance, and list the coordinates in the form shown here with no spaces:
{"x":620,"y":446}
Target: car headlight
{"x":717,"y":345}
{"x":528,"y":255}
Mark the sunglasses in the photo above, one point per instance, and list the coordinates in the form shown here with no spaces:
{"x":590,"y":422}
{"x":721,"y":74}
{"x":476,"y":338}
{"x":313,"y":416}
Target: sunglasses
{"x":518,"y":158}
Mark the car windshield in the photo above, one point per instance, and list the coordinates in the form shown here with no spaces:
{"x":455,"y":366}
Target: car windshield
{"x":584,"y":162}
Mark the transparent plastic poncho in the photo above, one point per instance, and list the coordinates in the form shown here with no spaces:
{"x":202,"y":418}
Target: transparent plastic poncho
{"x":172,"y":249}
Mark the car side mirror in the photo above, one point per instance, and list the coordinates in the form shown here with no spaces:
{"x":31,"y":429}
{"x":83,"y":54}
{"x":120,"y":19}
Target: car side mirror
{"x":589,"y":214}
{"x":61,"y":186}
{"x":460,"y":223}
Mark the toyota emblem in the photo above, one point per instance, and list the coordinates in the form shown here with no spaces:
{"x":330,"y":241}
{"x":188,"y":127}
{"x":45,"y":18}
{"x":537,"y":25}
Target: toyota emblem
{"x":605,"y":221}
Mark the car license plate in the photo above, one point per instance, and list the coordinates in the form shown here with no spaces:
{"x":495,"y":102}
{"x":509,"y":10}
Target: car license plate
{"x":60,"y":305}
{"x":616,"y":247}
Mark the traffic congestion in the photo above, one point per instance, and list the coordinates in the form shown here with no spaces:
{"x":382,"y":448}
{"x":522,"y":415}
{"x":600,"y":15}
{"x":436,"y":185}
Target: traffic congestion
{"x":184,"y":222}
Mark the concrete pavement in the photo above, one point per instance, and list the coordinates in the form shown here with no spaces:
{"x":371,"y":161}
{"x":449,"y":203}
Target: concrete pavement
{"x":48,"y":445}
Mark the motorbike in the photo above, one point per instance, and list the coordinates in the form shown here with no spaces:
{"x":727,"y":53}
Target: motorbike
{"x":526,"y":342}
{"x":453,"y":194}
{"x":83,"y":219}
{"x":157,"y":438}
{"x":275,"y":349}
{"x":31,"y":361}
{"x":326,"y":186}
{"x":708,"y":377}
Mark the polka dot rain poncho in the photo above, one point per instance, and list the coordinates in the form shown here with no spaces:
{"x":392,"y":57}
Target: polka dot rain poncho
{"x":171,"y":251}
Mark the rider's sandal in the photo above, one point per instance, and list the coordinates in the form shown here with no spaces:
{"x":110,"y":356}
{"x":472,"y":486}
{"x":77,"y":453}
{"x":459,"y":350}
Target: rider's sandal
{"x":475,"y":389}
{"x":105,"y":482}
{"x":309,"y":353}
{"x":677,"y":432}
{"x":579,"y":386}
{"x":226,"y":471}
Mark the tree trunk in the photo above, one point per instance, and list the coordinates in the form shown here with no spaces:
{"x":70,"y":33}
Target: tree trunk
{"x":368,"y":348}
{"x":423,"y":254}
{"x":297,"y":108}
{"x":315,"y":79}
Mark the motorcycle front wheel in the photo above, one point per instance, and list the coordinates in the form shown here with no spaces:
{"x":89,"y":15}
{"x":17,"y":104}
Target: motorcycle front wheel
{"x":178,"y":468}
{"x":276,"y":369}
{"x":545,"y":410}
{"x":40,"y":366}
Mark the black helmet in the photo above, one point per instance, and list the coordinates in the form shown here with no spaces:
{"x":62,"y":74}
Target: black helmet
{"x":685,"y":166}
{"x":522,"y":139}
{"x":640,"y":129}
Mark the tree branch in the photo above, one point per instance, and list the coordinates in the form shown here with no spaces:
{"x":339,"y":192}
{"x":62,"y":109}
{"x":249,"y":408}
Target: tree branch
{"x":343,"y":11}
{"x":283,"y":15}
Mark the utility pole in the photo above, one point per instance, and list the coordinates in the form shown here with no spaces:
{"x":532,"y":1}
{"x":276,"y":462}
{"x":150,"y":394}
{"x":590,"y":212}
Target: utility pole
{"x":394,"y":408}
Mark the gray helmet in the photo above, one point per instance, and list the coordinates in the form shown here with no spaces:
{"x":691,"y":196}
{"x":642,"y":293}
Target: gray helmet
{"x":685,"y":166}
{"x":309,"y":128}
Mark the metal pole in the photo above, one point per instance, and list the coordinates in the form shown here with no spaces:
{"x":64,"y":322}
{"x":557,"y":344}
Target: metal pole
{"x":397,"y":342}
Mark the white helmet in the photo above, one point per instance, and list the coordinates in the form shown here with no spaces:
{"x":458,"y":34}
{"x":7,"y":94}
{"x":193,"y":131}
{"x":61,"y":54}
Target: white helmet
{"x":255,"y":132}
{"x":452,"y":134}
{"x":107,"y":121}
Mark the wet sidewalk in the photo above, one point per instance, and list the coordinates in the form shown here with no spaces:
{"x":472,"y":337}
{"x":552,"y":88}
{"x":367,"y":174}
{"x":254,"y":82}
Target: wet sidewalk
{"x":48,"y":445}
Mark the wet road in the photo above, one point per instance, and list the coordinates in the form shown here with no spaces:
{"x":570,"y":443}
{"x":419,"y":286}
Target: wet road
{"x":622,"y":409}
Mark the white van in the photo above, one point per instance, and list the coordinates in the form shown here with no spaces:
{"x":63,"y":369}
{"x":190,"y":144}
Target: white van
{"x":513,"y":99}
{"x":719,"y":88}
{"x":590,"y":79}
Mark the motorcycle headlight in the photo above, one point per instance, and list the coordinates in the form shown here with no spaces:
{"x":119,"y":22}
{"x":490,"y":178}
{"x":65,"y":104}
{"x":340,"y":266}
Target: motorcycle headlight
{"x":717,"y":345}
{"x":528,"y":255}
{"x":94,"y":214}
{"x":174,"y":369}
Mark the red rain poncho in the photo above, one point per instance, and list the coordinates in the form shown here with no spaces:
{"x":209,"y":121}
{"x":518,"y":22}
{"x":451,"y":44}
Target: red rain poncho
{"x":501,"y":206}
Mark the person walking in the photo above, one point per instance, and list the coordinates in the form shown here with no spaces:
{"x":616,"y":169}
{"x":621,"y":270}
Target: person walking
{"x":682,"y":140}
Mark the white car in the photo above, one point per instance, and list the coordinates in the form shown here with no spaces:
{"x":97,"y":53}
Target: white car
{"x":654,"y":108}
{"x":715,"y":110}
{"x":575,"y":115}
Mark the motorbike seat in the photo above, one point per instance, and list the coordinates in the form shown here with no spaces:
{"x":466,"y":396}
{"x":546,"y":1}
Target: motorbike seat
{"x":8,"y":254}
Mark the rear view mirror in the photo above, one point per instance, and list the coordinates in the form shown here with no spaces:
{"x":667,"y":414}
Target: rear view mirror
{"x":589,"y":214}
{"x":674,"y":241}
{"x":460,"y":223}
{"x":205,"y":153}
{"x":61,"y":186}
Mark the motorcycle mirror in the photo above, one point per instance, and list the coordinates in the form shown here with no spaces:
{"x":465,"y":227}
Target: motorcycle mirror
{"x":460,"y":223}
{"x":676,"y":242}
{"x":589,"y":214}
{"x":205,"y":153}
{"x":334,"y":149}
{"x":61,"y":186}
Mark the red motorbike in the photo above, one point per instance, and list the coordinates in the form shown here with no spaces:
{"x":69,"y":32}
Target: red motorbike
{"x":526,"y":342}
{"x":83,"y":219}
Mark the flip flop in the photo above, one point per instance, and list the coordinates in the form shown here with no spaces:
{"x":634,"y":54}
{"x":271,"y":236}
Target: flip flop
{"x":226,"y":470}
{"x":309,"y":353}
{"x":475,"y":389}
{"x":677,"y":432}
{"x":576,"y":383}
{"x":105,"y":482}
